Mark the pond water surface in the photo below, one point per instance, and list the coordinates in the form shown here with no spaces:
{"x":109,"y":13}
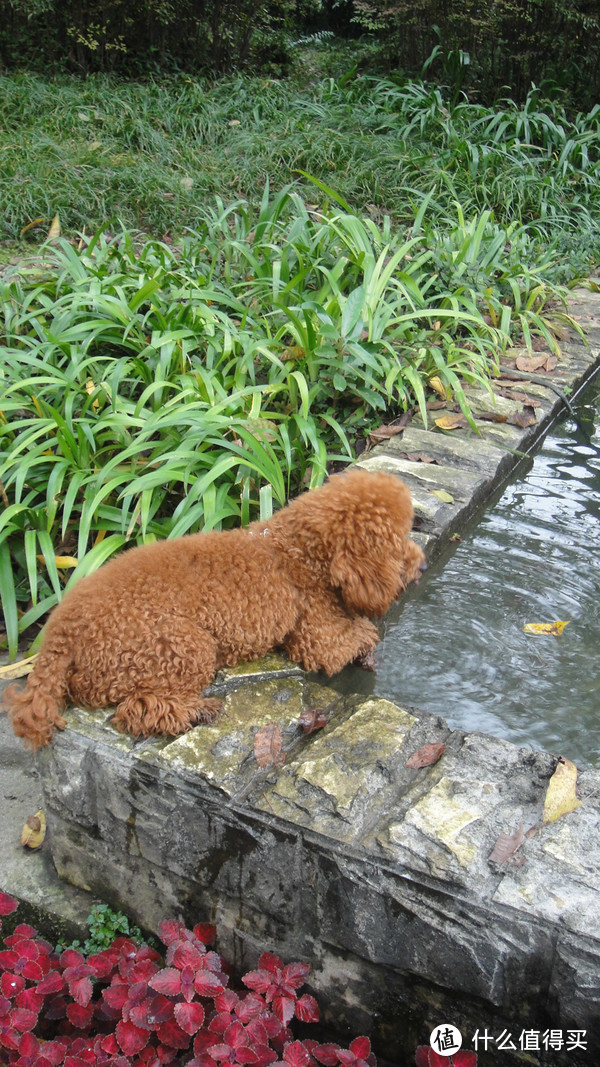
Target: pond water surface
{"x":455,"y":645}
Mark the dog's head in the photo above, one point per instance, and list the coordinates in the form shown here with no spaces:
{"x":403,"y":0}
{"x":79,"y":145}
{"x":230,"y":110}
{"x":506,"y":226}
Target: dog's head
{"x":356,"y":530}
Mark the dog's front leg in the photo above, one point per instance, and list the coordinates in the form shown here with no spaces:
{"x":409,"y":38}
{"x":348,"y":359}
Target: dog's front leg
{"x":329,"y":641}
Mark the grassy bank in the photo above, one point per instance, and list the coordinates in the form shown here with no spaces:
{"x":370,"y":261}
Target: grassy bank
{"x":153,"y":154}
{"x":155,"y":386}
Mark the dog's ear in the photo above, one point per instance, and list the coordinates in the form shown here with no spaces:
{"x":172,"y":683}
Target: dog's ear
{"x":368,"y":586}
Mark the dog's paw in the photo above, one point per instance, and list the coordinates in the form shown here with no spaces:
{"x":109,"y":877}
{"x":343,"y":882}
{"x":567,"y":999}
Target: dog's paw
{"x":366,"y":660}
{"x":208,"y":709}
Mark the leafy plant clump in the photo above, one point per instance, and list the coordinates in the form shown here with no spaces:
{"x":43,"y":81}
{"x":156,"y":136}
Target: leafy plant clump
{"x":104,"y":926}
{"x":128,"y":1004}
{"x":151,"y":389}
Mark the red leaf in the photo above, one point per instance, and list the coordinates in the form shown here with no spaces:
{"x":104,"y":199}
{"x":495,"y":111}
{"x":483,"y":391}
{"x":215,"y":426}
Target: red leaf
{"x":10,"y":1038}
{"x":33,"y":970}
{"x":426,"y":757}
{"x":81,"y":991}
{"x":171,"y":1034}
{"x":296,"y":1055}
{"x":327,"y":1054}
{"x":11,"y":984}
{"x":284,"y":1008}
{"x":295,"y":974}
{"x":167,"y":981}
{"x":189,"y":1016}
{"x":228,"y":1002}
{"x":79,"y":1015}
{"x":9,"y":959}
{"x":258,"y":980}
{"x":184,"y":954}
{"x":54,"y":1052}
{"x":131,"y":1038}
{"x":464,"y":1059}
{"x":207,"y":984}
{"x":71,"y":958}
{"x":270,"y":962}
{"x":52,"y":983}
{"x":30,"y":999}
{"x":171,"y":930}
{"x":307,"y":1009}
{"x":22,"y":1019}
{"x":361,"y":1047}
{"x":28,"y":1045}
{"x":116,"y":994}
{"x":206,"y":933}
{"x":7,"y":904}
{"x":249,"y":1008}
{"x":313,"y":719}
{"x":22,"y":932}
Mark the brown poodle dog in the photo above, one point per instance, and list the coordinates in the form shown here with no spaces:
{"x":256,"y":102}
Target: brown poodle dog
{"x":149,"y":630}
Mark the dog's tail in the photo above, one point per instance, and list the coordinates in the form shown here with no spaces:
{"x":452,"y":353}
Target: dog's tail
{"x":35,"y":709}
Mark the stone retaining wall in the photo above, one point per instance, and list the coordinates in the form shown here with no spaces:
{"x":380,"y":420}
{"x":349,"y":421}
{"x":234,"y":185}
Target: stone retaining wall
{"x":377,"y":875}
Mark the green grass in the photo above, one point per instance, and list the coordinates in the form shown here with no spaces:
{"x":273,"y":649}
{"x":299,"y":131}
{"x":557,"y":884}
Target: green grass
{"x":153,"y":154}
{"x":152,"y":386}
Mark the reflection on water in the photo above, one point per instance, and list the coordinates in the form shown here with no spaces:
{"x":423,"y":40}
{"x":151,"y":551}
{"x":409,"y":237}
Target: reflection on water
{"x":456,"y":646}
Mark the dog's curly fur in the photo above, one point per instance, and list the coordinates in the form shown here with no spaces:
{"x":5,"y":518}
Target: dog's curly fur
{"x":148,"y":631}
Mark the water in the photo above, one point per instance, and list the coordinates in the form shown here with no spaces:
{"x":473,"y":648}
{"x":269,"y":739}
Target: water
{"x":455,"y":646}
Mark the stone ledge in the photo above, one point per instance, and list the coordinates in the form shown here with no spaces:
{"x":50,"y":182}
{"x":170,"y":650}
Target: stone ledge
{"x":375,"y":874}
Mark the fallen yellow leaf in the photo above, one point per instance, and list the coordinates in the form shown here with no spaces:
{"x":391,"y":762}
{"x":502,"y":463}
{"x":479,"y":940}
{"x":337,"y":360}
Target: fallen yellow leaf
{"x":555,"y":628}
{"x":561,"y":795}
{"x":437,"y":384}
{"x":451,"y":422}
{"x":441,"y":494}
{"x":54,"y":230}
{"x":34,"y":831}
{"x":18,"y":669}
{"x":62,"y":562}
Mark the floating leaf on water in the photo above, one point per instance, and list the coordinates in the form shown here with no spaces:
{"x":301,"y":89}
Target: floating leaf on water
{"x":426,"y":756}
{"x":561,"y":795}
{"x":34,"y":831}
{"x":441,"y":494}
{"x":555,"y":628}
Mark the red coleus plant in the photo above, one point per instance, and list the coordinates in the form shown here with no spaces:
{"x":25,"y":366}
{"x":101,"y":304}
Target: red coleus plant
{"x":427,"y":1057}
{"x":131,"y":1006}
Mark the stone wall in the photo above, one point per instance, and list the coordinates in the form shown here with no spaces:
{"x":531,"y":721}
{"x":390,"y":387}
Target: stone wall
{"x":377,"y":875}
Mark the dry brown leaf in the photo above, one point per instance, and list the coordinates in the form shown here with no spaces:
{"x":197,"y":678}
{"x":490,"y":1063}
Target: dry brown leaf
{"x":426,"y":756}
{"x":268,"y":744}
{"x":416,"y":457}
{"x":523,"y":418}
{"x":34,"y":831}
{"x":452,"y":422}
{"x":506,"y":846}
{"x":383,"y":433}
{"x":519,"y":397}
{"x":19,"y":669}
{"x":313,"y":719}
{"x":294,"y":352}
{"x":561,"y":795}
{"x":492,"y":416}
{"x":531,"y":364}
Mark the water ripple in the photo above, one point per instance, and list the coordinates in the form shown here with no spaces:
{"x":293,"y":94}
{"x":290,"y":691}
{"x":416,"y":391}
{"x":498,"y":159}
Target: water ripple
{"x":456,"y":646}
